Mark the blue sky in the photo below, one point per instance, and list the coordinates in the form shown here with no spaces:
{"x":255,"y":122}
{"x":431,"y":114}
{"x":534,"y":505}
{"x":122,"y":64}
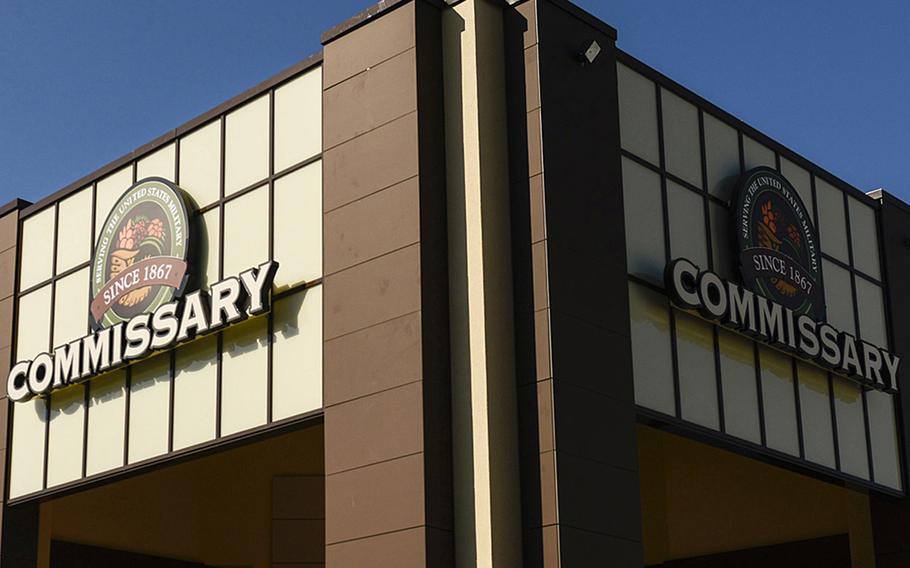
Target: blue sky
{"x":82,"y":83}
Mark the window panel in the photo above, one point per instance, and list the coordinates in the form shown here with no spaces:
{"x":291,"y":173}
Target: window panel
{"x":298,"y":119}
{"x":27,"y":459}
{"x":246,"y":231}
{"x":297,"y":354}
{"x":883,"y":434}
{"x":298,"y":225}
{"x":637,"y":114}
{"x":682,"y":148}
{"x":644,"y":220}
{"x":246,"y":150}
{"x":740,"y":392}
{"x":37,"y":254}
{"x":687,"y":225}
{"x":864,"y":236}
{"x":244,"y":380}
{"x":721,"y":156}
{"x":815,"y":410}
{"x":851,"y":428}
{"x":108,"y":191}
{"x":200,"y":164}
{"x":652,"y":361}
{"x":756,"y":154}
{"x":159,"y":164}
{"x":838,"y":297}
{"x":697,"y":378}
{"x":801,"y":180}
{"x":34,"y":323}
{"x":65,"y":439}
{"x":871,"y":309}
{"x":832,"y":224}
{"x":778,"y":401}
{"x":195,"y":392}
{"x":106,"y":422}
{"x":71,"y":307}
{"x":75,"y":243}
{"x":150,"y":394}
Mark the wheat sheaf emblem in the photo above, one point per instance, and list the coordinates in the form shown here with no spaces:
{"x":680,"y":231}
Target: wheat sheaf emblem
{"x":139,"y":239}
{"x":766,"y":233}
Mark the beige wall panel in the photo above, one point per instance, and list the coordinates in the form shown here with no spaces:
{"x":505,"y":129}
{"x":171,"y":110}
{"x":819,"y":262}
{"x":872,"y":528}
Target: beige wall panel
{"x":160,"y":164}
{"x":851,"y":430}
{"x":150,"y":392}
{"x":195,"y":393}
{"x":246,"y":151}
{"x":298,"y":226}
{"x":244,"y":377}
{"x":37,"y":251}
{"x":297,"y":354}
{"x":246,"y":231}
{"x":756,"y":154}
{"x":298,"y":119}
{"x":832,"y":224}
{"x":864,"y":233}
{"x":212,"y":226}
{"x":801,"y":181}
{"x":108,"y":191}
{"x":34,"y":323}
{"x":71,"y":307}
{"x":106,"y":422}
{"x":66,"y":437}
{"x":637,"y":114}
{"x":27,"y":458}
{"x":682,"y":149}
{"x":75,"y":243}
{"x":200,"y":164}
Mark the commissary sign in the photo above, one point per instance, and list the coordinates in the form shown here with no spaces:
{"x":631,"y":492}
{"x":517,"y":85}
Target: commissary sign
{"x":137,"y":304}
{"x":781,"y":299}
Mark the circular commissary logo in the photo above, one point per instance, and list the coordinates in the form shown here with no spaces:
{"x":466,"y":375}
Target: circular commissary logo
{"x":778,"y":246}
{"x":140,"y":256}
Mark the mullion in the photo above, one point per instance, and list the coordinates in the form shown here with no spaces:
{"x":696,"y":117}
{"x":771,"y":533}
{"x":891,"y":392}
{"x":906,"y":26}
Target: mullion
{"x":674,"y":353}
{"x":715,"y":331}
{"x":50,"y":342}
{"x":270,"y":323}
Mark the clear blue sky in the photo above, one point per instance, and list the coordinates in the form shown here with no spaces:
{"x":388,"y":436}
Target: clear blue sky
{"x":82,"y":83}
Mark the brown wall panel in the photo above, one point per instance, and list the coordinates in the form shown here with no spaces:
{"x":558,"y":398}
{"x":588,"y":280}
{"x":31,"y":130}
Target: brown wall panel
{"x":377,"y":160}
{"x":373,"y":292}
{"x":7,"y":272}
{"x":370,"y":227}
{"x":376,"y":428}
{"x":390,"y":85}
{"x":377,"y":499}
{"x":19,"y":542}
{"x":6,"y":320}
{"x":398,"y":549}
{"x":574,"y":257}
{"x":374,"y":359}
{"x":386,"y":386}
{"x":370,"y":45}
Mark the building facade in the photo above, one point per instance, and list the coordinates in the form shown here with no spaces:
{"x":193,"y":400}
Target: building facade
{"x":474,"y":287}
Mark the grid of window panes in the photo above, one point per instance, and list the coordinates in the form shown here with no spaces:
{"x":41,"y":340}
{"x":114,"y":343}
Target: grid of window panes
{"x":679,"y":165}
{"x":255,"y":175}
